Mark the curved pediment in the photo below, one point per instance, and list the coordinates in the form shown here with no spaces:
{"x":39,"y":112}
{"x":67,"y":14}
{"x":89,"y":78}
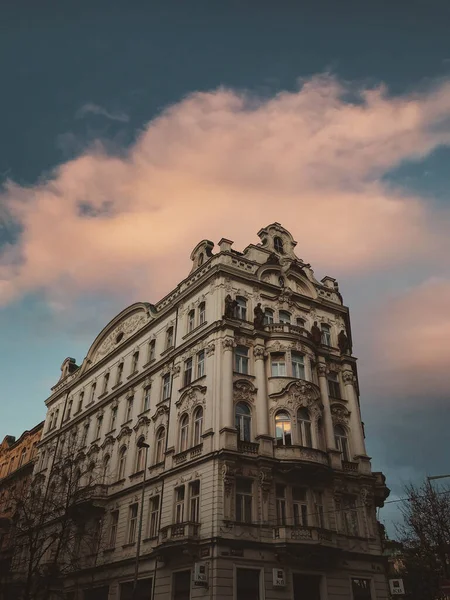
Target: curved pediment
{"x":192,"y":396}
{"x":300,"y":390}
{"x":118,"y":331}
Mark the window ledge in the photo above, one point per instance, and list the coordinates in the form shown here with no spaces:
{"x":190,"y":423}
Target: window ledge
{"x":118,"y":481}
{"x":95,"y":441}
{"x":116,"y":385}
{"x":150,"y":539}
{"x":136,"y":474}
{"x":89,"y":404}
{"x":194,"y":330}
{"x":148,"y":363}
{"x":77,"y":412}
{"x":144,"y":412}
{"x":129,"y":545}
{"x":110,"y":432}
{"x":108,"y":550}
{"x":167,"y":350}
{"x":133,"y":374}
{"x":126,"y":423}
{"x":103,"y":395}
{"x":244,"y":375}
{"x":193,"y":382}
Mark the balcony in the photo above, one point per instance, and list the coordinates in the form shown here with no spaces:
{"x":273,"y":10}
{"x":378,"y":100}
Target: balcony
{"x":301,"y":454}
{"x":247,"y":447}
{"x":349,"y":466}
{"x":182,"y":457}
{"x":90,"y":499}
{"x":179,"y":532}
{"x":288,"y":328}
{"x":285,"y":534}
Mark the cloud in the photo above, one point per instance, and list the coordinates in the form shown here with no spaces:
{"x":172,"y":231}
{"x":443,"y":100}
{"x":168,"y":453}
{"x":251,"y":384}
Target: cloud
{"x":91,"y":108}
{"x":224,"y":163}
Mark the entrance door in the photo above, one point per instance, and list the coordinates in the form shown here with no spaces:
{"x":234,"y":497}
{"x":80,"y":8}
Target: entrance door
{"x":306,"y":587}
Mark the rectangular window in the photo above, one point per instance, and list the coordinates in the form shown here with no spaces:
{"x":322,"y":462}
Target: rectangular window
{"x":244,"y":500}
{"x":166,"y":387}
{"x":92,"y":397}
{"x":202,"y":313}
{"x":85,"y":434}
{"x":318,"y":509}
{"x":351,"y":517}
{"x":241,"y":308}
{"x":119,"y":374}
{"x":69,"y":409}
{"x":129,"y":410}
{"x":187,"y":371}
{"x":135,"y":363}
{"x":105,"y":383}
{"x":143,"y":591}
{"x":99,"y":427}
{"x":151,"y":350}
{"x":56,"y":418}
{"x":361,"y":589}
{"x":191,"y":320}
{"x":280,"y":491}
{"x":113,"y":528}
{"x":241,"y":360}
{"x":268,"y":316}
{"x":298,"y":366}
{"x":334,"y":389}
{"x":113,"y":418}
{"x":153,"y":517}
{"x":300,"y":507}
{"x":284,"y":317}
{"x":132,"y":522}
{"x":326,"y":334}
{"x":80,"y":402}
{"x":146,"y":399}
{"x":248,"y":584}
{"x":169,"y":338}
{"x":194,"y":501}
{"x":278,"y":365}
{"x":200,"y":364}
{"x":182,"y":585}
{"x":179,"y":504}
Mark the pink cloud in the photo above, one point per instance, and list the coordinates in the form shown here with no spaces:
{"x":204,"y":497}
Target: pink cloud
{"x":224,"y":164}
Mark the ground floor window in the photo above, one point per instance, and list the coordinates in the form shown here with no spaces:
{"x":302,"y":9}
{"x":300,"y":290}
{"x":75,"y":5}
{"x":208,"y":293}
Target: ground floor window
{"x":306,"y":586}
{"x":143,"y":590}
{"x":182,"y":585}
{"x":361,"y":589}
{"x":248,"y":584}
{"x":96,"y":593}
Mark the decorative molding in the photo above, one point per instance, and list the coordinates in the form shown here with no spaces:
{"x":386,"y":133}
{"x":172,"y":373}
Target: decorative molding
{"x":125,"y":431}
{"x":348,"y":377}
{"x":244,"y":391}
{"x":259,"y":352}
{"x":340,"y":414}
{"x":127,"y":327}
{"x":322,"y":369}
{"x":229,"y":343}
{"x":210,"y":349}
{"x":162,"y":410}
{"x":142,"y":423}
{"x":191,"y":397}
{"x":228,"y":476}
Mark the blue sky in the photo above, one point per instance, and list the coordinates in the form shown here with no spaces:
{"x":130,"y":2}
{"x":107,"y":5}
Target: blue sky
{"x":84,"y":75}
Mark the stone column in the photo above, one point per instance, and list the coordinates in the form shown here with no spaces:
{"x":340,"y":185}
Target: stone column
{"x":327,"y":420}
{"x":262,"y":400}
{"x":228,"y":435}
{"x":357,"y":435}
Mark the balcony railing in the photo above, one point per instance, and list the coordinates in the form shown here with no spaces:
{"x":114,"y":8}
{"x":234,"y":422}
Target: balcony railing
{"x":182,"y":457}
{"x":287,"y":328}
{"x":179,"y":532}
{"x":298,"y":533}
{"x":247,"y":447}
{"x":349,"y":466}
{"x":301,"y":453}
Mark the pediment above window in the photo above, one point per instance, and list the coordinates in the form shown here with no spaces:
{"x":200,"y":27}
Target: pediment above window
{"x":108,"y":441}
{"x":244,"y":391}
{"x":340,"y":414}
{"x":192,"y":396}
{"x":124,"y":432}
{"x":142,"y":423}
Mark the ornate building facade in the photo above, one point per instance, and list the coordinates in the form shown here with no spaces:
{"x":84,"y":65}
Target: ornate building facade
{"x":255,"y":483}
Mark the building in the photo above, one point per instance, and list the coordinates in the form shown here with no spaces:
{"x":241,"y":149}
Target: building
{"x":17,"y":458}
{"x":243,"y":385}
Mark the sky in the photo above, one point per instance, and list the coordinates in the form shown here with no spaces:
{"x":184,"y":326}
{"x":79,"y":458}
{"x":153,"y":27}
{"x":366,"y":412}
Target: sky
{"x":132,"y":130}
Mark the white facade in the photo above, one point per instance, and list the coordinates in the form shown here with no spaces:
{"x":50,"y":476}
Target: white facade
{"x":256,"y":453}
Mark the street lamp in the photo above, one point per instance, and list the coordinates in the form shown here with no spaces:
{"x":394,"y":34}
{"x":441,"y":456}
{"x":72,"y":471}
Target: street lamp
{"x":141,"y":444}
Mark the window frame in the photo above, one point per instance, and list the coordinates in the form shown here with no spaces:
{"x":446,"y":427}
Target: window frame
{"x":197,"y":430}
{"x":280,"y":504}
{"x":241,"y":360}
{"x":334,"y":385}
{"x":160,"y":442}
{"x":153,"y":516}
{"x":188,"y":371}
{"x":201,"y":358}
{"x":140,"y":456}
{"x":132,"y":522}
{"x":269,"y":316}
{"x":298,"y":359}
{"x":114,"y":523}
{"x":240,"y":421}
{"x":151,"y":350}
{"x":166,"y":386}
{"x":371,"y":586}
{"x":304,"y":427}
{"x":300,"y":507}
{"x":278,"y":245}
{"x":122,"y":463}
{"x":278,"y":364}
{"x":344,"y":447}
{"x":283,"y":438}
{"x":184,"y":432}
{"x":244,"y":500}
{"x":241,"y":308}
{"x":146,"y":398}
{"x":129,"y":409}
{"x":169,"y":337}
{"x":194,"y":501}
{"x":135,"y":362}
{"x":202,"y":313}
{"x":179,"y":503}
{"x":191,"y":320}
{"x":284,"y":317}
{"x":326,"y":334}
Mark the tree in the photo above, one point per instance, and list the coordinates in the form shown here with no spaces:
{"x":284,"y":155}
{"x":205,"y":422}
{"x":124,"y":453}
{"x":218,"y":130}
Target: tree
{"x":425,"y":536}
{"x":57,"y":528}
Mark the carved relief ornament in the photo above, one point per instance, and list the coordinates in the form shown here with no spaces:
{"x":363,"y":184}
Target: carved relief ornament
{"x":191,"y":397}
{"x":340,"y":414}
{"x":244,"y":391}
{"x":228,"y":343}
{"x":228,"y":477}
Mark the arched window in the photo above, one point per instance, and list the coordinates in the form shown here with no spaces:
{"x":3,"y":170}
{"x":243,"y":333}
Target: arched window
{"x":283,"y":430}
{"x":105,"y":473}
{"x":160,"y":443}
{"x":340,"y":436}
{"x":243,"y":421}
{"x":278,"y":245}
{"x":241,"y":308}
{"x":140,"y":455}
{"x":198,"y":426}
{"x":284,"y":316}
{"x":268,"y":316}
{"x":122,"y":463}
{"x":304,"y":427}
{"x":184,"y":432}
{"x":191,"y":320}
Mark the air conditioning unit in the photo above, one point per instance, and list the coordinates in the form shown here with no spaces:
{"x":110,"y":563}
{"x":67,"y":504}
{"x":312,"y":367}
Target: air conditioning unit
{"x":200,"y":574}
{"x":279,"y":578}
{"x":396,"y":586}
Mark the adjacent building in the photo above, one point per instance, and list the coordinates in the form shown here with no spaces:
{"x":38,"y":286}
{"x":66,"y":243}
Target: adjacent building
{"x":236,"y":397}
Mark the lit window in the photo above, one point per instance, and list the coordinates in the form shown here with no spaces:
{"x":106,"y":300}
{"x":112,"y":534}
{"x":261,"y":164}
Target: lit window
{"x":191,"y":320}
{"x":169,"y":337}
{"x":132,"y":522}
{"x":244,"y":500}
{"x":283,"y":432}
{"x":241,"y":308}
{"x":194,"y":501}
{"x":198,"y":426}
{"x":278,"y":245}
{"x":201,"y":313}
{"x":160,"y":443}
{"x":278,"y":365}
{"x":280,"y":492}
{"x":298,"y":366}
{"x":187,"y":371}
{"x":241,"y":360}
{"x":326,"y":334}
{"x":243,"y":421}
{"x":284,"y":317}
{"x":166,"y":387}
{"x":122,"y":463}
{"x":179,"y":504}
{"x":184,"y":432}
{"x":300,"y":507}
{"x":200,"y":364}
{"x":153,"y":520}
{"x":341,"y":440}
{"x":268,"y":316}
{"x":334,"y":389}
{"x":304,"y":427}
